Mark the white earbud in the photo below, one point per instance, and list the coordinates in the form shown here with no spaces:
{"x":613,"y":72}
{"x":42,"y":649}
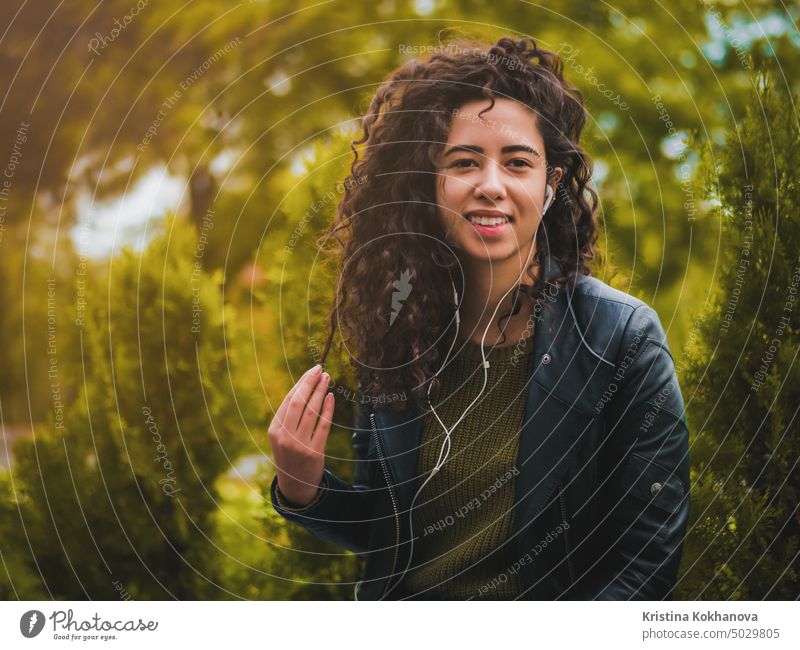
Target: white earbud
{"x":548,"y":193}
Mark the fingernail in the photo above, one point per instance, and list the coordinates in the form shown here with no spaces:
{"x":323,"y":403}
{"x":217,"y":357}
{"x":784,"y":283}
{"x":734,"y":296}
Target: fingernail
{"x":315,"y":370}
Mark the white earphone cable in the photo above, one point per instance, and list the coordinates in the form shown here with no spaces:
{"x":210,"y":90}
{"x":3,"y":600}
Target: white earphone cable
{"x":441,"y":460}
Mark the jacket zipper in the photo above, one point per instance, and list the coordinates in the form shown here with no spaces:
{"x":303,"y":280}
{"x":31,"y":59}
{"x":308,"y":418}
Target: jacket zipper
{"x":394,"y":503}
{"x":566,"y":533}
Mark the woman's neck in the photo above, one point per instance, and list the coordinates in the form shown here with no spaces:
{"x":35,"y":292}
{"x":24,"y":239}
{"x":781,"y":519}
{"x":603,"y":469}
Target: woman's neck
{"x":485,"y":286}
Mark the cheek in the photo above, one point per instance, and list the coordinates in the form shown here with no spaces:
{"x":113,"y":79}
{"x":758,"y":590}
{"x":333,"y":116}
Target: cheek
{"x":528,"y":203}
{"x":447,"y":199}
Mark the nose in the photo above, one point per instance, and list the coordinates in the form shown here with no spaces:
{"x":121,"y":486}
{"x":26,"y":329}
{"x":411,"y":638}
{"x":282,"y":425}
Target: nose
{"x":490,"y":184}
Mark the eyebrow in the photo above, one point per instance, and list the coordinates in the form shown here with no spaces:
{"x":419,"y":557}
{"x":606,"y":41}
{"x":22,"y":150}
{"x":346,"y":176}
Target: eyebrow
{"x":470,"y":148}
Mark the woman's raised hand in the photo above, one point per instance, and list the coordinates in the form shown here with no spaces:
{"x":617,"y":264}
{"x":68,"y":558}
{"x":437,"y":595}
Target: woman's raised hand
{"x":298,"y":440}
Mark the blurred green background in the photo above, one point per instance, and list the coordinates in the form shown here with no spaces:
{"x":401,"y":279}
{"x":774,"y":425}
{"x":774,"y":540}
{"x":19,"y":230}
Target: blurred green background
{"x":167,"y":167}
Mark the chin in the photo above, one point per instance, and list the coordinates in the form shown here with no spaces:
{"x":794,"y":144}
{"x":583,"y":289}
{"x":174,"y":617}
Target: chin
{"x":494,"y":252}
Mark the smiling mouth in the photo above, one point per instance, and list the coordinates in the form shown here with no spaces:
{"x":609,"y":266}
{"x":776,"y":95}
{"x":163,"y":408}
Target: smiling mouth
{"x":487,"y":221}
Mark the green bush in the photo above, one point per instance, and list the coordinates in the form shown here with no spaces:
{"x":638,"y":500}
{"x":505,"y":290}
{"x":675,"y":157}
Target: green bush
{"x":123,"y":495}
{"x":742,"y":376}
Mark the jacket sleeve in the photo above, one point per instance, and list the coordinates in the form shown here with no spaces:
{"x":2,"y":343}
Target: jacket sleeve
{"x":644,"y":463}
{"x":340,"y":513}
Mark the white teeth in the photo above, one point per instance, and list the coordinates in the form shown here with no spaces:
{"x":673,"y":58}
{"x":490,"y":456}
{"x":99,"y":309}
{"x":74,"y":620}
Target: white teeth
{"x":487,"y":221}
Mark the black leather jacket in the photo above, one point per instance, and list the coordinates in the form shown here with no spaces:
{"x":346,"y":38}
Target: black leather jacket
{"x":602,"y":493}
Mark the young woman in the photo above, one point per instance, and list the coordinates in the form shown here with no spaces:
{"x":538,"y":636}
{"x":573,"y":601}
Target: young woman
{"x":521,"y":433}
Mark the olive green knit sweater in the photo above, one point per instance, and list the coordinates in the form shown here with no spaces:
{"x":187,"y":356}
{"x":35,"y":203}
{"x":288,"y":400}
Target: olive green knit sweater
{"x":465,"y":513}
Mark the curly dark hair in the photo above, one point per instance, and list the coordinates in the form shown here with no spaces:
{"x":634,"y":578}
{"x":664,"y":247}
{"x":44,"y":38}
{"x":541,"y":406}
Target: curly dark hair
{"x":385,"y":221}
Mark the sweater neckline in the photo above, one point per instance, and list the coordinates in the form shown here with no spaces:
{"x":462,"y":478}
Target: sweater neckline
{"x":470,"y":350}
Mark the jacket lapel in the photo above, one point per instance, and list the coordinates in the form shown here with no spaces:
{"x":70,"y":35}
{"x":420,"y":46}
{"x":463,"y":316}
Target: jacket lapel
{"x":558,"y":411}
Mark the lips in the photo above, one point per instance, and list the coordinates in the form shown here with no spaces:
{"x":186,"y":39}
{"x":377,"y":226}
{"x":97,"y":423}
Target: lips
{"x":489,"y":223}
{"x":488,"y":226}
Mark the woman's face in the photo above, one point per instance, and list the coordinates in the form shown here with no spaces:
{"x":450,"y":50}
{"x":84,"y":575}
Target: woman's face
{"x":491,"y":180}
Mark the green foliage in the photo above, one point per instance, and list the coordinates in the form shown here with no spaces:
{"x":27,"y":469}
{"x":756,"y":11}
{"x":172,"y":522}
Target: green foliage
{"x":301,"y":281}
{"x":124,"y":492}
{"x":743,"y":375}
{"x":18,"y":581}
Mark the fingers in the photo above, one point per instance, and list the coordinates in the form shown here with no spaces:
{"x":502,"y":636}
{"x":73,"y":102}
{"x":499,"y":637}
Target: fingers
{"x":283,"y":409}
{"x":299,"y":401}
{"x":320,"y":436}
{"x":312,"y":411}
